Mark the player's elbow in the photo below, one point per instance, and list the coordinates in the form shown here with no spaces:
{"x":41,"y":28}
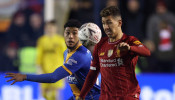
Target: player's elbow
{"x":147,"y":53}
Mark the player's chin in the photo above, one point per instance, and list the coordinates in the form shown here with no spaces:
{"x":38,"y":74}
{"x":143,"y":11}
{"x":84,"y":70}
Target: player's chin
{"x":110,"y":36}
{"x":70,"y":46}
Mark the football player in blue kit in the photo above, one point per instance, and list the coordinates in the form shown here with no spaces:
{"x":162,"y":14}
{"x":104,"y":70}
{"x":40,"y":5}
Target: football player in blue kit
{"x":77,"y":60}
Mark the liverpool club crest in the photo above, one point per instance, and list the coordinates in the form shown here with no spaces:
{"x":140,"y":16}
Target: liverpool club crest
{"x":110,"y":52}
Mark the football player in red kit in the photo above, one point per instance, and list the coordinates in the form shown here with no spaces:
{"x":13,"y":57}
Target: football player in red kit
{"x":115,"y":56}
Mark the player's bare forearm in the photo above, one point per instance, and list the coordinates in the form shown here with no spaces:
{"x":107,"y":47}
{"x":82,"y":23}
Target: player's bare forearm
{"x":140,"y":50}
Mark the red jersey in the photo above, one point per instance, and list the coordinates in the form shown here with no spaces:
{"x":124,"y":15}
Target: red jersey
{"x":118,"y":79}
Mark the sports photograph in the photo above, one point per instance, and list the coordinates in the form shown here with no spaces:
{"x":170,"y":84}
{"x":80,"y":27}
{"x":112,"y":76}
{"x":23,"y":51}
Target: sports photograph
{"x":87,"y":50}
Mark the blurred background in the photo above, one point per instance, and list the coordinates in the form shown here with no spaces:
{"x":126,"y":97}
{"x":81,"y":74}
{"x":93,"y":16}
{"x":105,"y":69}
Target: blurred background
{"x":22,"y":23}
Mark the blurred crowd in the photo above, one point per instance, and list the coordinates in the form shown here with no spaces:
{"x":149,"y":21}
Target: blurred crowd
{"x":151,"y":21}
{"x":18,"y":42}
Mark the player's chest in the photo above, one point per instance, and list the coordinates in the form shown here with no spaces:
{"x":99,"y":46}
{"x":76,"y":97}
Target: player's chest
{"x":111,"y":51}
{"x":110,"y":56}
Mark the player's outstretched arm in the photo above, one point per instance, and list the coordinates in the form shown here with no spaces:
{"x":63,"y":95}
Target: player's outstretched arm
{"x":58,"y":74}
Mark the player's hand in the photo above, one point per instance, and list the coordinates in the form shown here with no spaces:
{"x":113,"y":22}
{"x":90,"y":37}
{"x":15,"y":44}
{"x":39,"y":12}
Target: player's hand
{"x":123,"y":46}
{"x":79,"y":98}
{"x":17,"y":77}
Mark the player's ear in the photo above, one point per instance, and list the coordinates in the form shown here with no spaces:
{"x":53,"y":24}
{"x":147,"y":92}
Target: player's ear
{"x":120,"y":23}
{"x":119,"y":20}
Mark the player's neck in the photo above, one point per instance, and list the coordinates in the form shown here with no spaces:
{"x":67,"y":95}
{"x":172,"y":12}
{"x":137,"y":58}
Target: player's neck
{"x":118,"y":37}
{"x":74,"y":48}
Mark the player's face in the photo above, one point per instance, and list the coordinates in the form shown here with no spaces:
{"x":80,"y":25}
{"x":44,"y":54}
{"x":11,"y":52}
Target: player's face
{"x":111,"y":25}
{"x":50,"y":28}
{"x":71,"y":37}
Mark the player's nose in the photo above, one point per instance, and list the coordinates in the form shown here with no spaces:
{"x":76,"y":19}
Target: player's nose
{"x":71,"y":35}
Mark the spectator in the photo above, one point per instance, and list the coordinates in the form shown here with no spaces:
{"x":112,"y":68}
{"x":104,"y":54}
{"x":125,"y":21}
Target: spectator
{"x":50,"y":48}
{"x":111,"y":3}
{"x":82,"y":10}
{"x":8,"y":60}
{"x":134,"y":19}
{"x":18,"y":31}
{"x":36,"y":25}
{"x":160,"y":31}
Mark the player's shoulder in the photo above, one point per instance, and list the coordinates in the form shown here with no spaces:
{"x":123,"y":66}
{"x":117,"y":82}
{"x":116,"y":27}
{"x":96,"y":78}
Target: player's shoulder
{"x":129,"y":37}
{"x":82,"y":54}
{"x":41,"y":38}
{"x":82,"y":50}
{"x":132,"y":40}
{"x":65,"y":52}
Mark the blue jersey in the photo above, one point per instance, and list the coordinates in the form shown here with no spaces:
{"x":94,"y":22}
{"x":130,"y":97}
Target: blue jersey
{"x":77,"y":64}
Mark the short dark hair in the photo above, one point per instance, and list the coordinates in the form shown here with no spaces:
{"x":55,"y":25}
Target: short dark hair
{"x":72,"y":23}
{"x":112,"y":10}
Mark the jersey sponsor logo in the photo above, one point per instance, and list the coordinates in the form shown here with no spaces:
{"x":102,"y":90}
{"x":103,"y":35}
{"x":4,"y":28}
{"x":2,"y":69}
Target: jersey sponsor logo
{"x":71,"y":61}
{"x":72,"y":80}
{"x":120,"y":62}
{"x":137,"y":42}
{"x":108,"y":60}
{"x":110,"y":52}
{"x":102,"y":54}
{"x":111,"y":62}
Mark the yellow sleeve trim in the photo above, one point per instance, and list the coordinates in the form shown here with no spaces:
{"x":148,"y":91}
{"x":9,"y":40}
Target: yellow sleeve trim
{"x":67,"y":70}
